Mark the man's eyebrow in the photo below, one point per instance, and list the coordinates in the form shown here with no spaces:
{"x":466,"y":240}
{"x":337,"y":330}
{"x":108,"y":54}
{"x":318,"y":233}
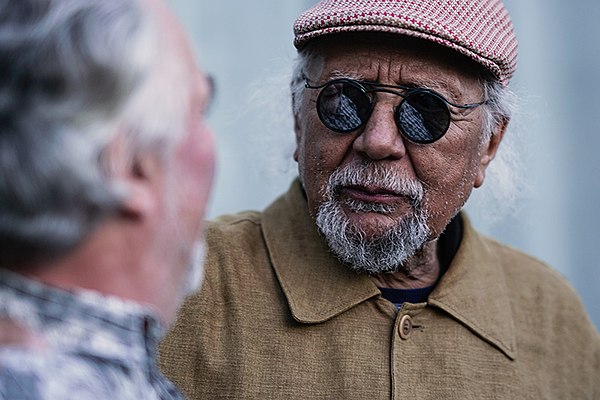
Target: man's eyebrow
{"x":345,"y":74}
{"x":431,"y":84}
{"x":437,"y":85}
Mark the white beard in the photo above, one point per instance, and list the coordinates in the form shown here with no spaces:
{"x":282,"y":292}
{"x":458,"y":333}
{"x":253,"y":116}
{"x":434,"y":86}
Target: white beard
{"x":388,"y":251}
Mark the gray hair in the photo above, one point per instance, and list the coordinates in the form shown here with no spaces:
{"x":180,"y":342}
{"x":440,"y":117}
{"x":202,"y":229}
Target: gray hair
{"x":74,"y":74}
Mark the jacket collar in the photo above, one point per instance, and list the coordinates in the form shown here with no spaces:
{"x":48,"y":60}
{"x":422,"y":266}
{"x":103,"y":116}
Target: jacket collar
{"x":474,"y":291}
{"x":318,"y":287}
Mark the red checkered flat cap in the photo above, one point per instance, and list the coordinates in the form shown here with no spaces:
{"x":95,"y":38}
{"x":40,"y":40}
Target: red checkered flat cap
{"x":479,"y":29}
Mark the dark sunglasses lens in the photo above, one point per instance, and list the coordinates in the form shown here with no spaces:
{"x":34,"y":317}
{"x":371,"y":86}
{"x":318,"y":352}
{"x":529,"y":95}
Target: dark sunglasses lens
{"x":423,"y":117}
{"x":343,"y":107}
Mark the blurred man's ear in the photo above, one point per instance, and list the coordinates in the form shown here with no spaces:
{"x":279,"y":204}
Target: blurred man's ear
{"x":136,"y":176}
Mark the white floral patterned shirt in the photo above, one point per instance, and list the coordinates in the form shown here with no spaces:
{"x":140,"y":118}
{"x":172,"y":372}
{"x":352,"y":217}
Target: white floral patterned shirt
{"x":98,"y":347}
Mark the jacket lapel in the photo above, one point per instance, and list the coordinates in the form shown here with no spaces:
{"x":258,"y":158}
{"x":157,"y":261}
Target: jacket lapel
{"x":317,"y":286}
{"x":474,"y":291}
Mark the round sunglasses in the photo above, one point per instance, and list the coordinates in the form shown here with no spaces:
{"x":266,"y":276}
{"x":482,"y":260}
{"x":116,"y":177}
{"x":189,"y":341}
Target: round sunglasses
{"x":345,"y":105}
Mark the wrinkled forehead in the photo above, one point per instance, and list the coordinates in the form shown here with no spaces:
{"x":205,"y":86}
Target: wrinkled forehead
{"x":393,"y":59}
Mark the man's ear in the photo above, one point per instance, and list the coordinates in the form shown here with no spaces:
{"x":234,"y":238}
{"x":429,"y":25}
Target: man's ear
{"x":296,"y":131}
{"x":140,"y":191}
{"x":135,"y":176}
{"x":489,"y":152}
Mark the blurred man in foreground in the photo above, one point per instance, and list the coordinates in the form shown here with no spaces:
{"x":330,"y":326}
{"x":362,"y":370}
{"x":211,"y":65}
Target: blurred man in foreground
{"x":365,"y":280}
{"x":106,"y":167}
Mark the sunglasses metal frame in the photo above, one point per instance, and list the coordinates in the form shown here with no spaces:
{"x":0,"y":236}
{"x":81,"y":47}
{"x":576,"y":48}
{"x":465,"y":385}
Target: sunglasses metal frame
{"x":374,"y":87}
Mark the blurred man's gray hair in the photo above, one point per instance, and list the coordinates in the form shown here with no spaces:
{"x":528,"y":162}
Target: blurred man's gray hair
{"x":73,"y":75}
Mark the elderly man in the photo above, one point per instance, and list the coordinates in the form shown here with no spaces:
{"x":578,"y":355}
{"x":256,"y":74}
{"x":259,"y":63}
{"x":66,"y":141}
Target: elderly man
{"x":106,"y":168}
{"x":365,"y":281}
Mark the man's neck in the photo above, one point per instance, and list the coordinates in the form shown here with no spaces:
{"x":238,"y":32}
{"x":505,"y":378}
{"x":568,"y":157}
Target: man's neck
{"x":419,"y":271}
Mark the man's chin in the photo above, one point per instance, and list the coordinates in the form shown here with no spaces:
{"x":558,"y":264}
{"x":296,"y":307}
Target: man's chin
{"x":371,"y":242}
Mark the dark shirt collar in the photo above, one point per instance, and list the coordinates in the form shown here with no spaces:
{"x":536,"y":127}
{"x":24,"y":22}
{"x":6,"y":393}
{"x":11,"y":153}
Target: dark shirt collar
{"x":448,"y":244}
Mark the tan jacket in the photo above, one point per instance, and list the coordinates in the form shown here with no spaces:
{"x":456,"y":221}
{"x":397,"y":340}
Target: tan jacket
{"x":279,"y":318}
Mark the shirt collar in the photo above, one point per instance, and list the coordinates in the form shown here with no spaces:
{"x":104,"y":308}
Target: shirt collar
{"x":318,"y":287}
{"x":83,"y":321}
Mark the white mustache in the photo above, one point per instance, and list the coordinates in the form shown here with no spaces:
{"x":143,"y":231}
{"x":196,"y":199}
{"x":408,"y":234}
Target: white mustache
{"x":375,"y":175}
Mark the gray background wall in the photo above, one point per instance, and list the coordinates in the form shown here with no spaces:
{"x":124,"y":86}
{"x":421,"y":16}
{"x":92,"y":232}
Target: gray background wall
{"x":247,"y":47}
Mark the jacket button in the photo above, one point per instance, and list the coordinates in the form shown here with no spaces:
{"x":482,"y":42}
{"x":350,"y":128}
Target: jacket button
{"x":405,"y":327}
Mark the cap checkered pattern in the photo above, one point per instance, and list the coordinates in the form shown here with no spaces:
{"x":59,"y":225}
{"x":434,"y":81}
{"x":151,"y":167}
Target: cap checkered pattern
{"x":479,"y":29}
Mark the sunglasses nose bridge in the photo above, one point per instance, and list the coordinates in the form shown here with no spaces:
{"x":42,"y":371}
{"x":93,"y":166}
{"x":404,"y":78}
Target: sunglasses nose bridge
{"x":388,"y":103}
{"x":389,"y":100}
{"x":379,"y":138}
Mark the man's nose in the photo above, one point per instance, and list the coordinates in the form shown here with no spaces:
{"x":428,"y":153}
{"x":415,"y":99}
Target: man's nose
{"x":380,"y":139}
